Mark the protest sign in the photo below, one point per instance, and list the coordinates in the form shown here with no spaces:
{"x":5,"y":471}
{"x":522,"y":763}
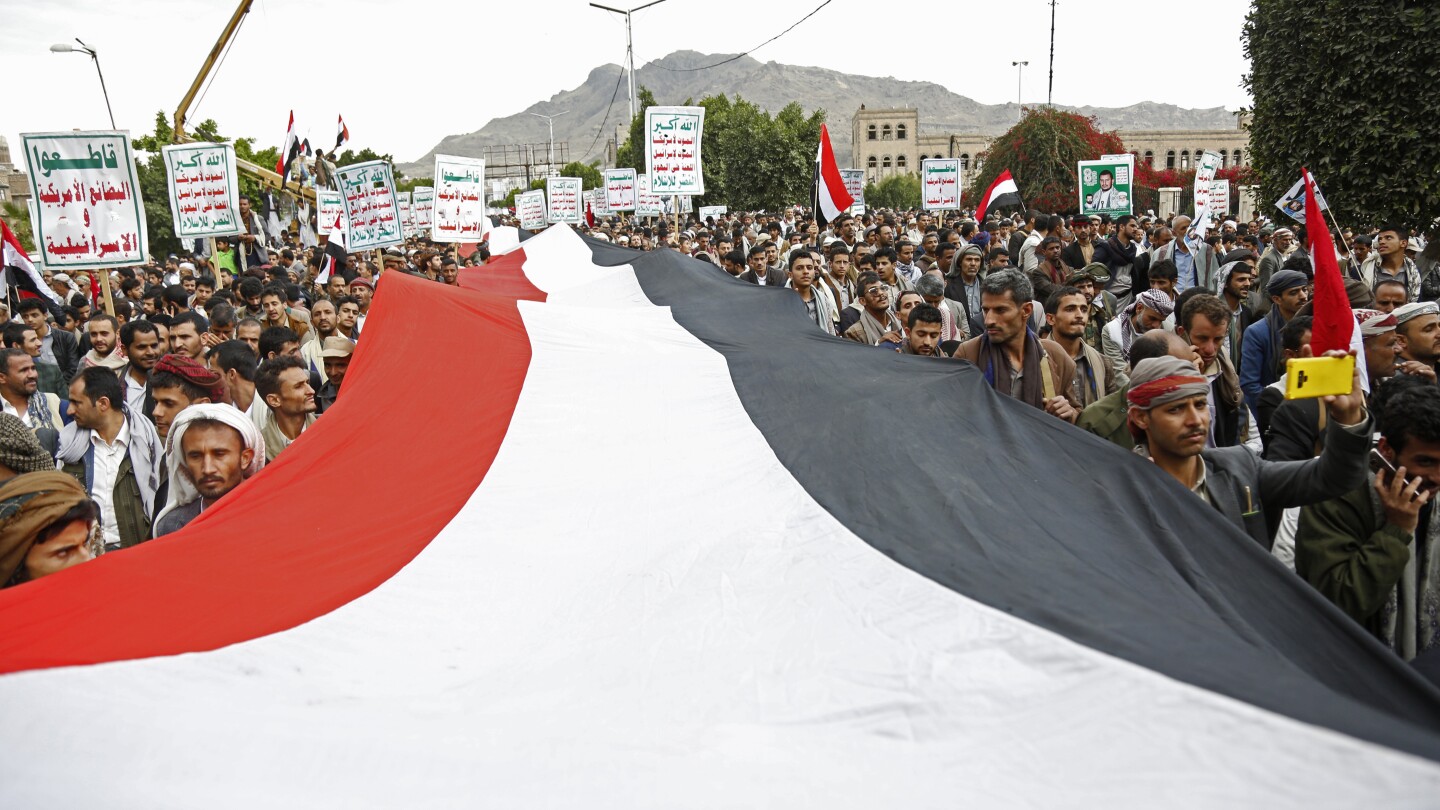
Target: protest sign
{"x":687,"y":205}
{"x":855,"y":185}
{"x":672,"y":150}
{"x":562,"y":200}
{"x":204,"y":189}
{"x":1220,"y":197}
{"x":459,"y":209}
{"x":407,"y":217}
{"x":940,"y":184}
{"x":602,"y":203}
{"x":372,"y":211}
{"x":1105,"y":185}
{"x":88,"y":211}
{"x":708,"y":211}
{"x":530,"y":209}
{"x":422,"y":204}
{"x":1205,"y":167}
{"x":1293,"y":203}
{"x":646,"y":203}
{"x":620,"y":189}
{"x":329,"y":205}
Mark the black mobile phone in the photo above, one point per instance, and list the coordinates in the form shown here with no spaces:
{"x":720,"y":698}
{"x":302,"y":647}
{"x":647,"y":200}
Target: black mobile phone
{"x":1380,"y":465}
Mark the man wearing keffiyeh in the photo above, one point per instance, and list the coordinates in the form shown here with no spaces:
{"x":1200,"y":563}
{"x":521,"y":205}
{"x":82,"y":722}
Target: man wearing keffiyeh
{"x":1148,"y":311}
{"x":1170,"y":419}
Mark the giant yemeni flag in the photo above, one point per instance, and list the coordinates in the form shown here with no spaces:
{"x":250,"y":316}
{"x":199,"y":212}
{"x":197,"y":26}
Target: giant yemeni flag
{"x":670,"y":554}
{"x":831,"y":197}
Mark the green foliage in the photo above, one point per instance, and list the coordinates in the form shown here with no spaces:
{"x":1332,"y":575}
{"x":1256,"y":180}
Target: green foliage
{"x":588,"y":173}
{"x":752,"y":161}
{"x":897,"y":192}
{"x":1347,"y":90}
{"x":1041,"y":152}
{"x":18,"y":218}
{"x":508,"y":201}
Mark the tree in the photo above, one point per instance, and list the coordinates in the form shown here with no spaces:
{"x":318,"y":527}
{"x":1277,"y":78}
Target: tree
{"x":1347,"y":90}
{"x":589,"y":174}
{"x":1042,"y":151}
{"x":897,"y":192}
{"x":629,"y":154}
{"x":18,"y":218}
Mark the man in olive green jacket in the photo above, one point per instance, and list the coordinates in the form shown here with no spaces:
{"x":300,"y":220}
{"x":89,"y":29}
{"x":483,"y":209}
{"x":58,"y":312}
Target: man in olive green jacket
{"x":1108,"y":417}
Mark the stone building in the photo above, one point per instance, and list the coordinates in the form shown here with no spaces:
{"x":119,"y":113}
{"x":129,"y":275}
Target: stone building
{"x":888,"y":142}
{"x":14,"y":185}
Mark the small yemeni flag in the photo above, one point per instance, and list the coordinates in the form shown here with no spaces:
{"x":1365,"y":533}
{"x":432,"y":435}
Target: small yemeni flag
{"x":831,"y":198}
{"x":589,"y":215}
{"x":20,"y":272}
{"x":1335,"y":327}
{"x":335,"y":252}
{"x":288,"y":152}
{"x":1001,"y":192}
{"x":342,"y":132}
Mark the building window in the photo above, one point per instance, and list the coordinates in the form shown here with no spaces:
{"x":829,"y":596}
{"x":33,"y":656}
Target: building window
{"x":870,"y":163}
{"x":1170,"y":159}
{"x":1149,"y":158}
{"x":886,"y":162}
{"x":900,"y":132}
{"x":938,"y":156}
{"x":900,"y":161}
{"x":870,"y":133}
{"x":1238,"y":161}
{"x":885,"y":133}
{"x":1184,"y":159}
{"x":1224,"y":158}
{"x":965,"y":162}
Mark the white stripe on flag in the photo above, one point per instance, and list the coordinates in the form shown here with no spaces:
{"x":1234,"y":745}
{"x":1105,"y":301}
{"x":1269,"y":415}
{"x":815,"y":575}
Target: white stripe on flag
{"x":552,"y":647}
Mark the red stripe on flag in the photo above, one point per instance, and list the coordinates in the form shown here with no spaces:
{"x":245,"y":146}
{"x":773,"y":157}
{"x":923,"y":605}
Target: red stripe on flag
{"x":264,"y":559}
{"x":1334,"y":323}
{"x":830,"y":174}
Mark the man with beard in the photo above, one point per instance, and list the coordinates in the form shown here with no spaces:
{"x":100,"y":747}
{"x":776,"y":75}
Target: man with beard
{"x":1234,"y":281}
{"x":142,"y":350}
{"x":1205,"y":322}
{"x":283,"y":383}
{"x":1127,"y":266}
{"x":760,"y":272}
{"x":20,"y":394}
{"x":1148,"y":311}
{"x":1170,"y":418}
{"x":103,"y":331}
{"x":1081,"y":252}
{"x":1067,"y":312}
{"x":336,"y":357}
{"x":215,"y":449}
{"x":362,"y":290}
{"x":1015,"y":362}
{"x":1260,"y":350}
{"x":1049,"y":272}
{"x":923,"y":337}
{"x":114,"y":454}
{"x":1090,"y":282}
{"x":1389,"y":294}
{"x":962,"y":284}
{"x":1418,"y":326}
{"x":1282,"y":244}
{"x":48,"y":379}
{"x":876,"y":323}
{"x":1108,"y":417}
{"x":325,"y":322}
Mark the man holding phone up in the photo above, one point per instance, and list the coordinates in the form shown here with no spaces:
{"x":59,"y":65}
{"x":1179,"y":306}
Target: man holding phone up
{"x":1372,"y":551}
{"x":1170,"y":419}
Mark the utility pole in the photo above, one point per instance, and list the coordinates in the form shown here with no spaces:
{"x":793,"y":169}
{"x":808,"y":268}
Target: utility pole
{"x":1050,"y":93}
{"x":1019,"y":85}
{"x":629,"y":45}
{"x":550,"y":156}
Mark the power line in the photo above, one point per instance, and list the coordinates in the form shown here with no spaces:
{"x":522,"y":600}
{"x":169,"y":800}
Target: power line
{"x":746,"y":53}
{"x":608,"y":108}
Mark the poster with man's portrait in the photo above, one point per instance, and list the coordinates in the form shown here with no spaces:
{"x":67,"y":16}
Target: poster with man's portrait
{"x":1105,"y":185}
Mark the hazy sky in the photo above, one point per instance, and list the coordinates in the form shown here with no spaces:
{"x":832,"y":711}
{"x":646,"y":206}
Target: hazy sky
{"x":405,"y":74}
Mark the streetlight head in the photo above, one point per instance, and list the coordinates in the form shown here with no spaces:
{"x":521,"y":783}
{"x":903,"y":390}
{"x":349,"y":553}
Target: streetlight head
{"x":61,"y":47}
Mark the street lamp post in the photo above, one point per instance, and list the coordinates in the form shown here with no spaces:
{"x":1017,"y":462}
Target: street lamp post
{"x":629,"y":45}
{"x":550,"y":155}
{"x":89,"y":51}
{"x":1019,"y":85}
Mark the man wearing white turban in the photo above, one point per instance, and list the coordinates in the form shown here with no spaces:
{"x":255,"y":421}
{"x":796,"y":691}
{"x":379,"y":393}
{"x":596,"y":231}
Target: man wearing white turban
{"x":209,"y":451}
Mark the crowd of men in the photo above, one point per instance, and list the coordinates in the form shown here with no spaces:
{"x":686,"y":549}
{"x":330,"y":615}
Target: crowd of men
{"x":1166,"y":341}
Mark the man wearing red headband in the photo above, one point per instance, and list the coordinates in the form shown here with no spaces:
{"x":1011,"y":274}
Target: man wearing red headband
{"x":1171,"y":421}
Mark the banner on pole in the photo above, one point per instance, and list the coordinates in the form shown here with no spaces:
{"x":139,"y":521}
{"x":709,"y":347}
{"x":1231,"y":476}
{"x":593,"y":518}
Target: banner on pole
{"x":407,"y":216}
{"x":672,"y":150}
{"x":562,"y":200}
{"x":1220,"y":197}
{"x":940,"y":184}
{"x":1105,"y":185}
{"x":647,"y":204}
{"x":88,"y":211}
{"x":1293,"y":203}
{"x":530,"y":209}
{"x":459,"y":208}
{"x":620,"y":189}
{"x":422,"y":205}
{"x":328,"y":205}
{"x":372,"y":210}
{"x":204,"y":189}
{"x":855,"y":186}
{"x":1205,"y":167}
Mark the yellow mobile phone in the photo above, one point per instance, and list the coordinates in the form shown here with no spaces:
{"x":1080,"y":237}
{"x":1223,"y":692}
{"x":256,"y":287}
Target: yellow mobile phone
{"x":1307,"y":377}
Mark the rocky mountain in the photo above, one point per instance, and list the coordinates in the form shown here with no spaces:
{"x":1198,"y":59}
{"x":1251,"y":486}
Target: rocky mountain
{"x":771,"y":86}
